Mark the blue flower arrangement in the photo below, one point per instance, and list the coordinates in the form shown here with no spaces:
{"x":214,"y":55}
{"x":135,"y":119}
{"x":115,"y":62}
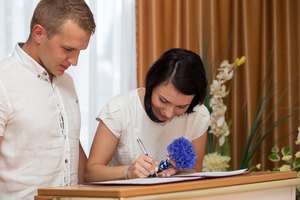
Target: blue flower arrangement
{"x":182,"y":152}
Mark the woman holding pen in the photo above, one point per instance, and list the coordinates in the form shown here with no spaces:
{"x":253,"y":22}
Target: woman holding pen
{"x":170,"y":106}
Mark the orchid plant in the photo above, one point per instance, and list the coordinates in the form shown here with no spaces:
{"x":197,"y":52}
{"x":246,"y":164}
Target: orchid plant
{"x":218,"y":90}
{"x":219,"y":127}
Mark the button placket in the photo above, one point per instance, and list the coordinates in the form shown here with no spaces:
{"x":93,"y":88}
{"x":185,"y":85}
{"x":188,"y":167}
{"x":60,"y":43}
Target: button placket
{"x":61,"y":123}
{"x":66,"y":161}
{"x":60,"y":115}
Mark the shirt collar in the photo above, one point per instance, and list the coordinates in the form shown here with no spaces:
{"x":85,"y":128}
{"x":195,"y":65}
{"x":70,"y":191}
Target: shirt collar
{"x":29,"y":63}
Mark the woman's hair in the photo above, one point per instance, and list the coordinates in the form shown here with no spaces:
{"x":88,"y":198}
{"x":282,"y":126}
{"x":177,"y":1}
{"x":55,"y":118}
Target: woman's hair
{"x":52,"y":14}
{"x":184,"y":69}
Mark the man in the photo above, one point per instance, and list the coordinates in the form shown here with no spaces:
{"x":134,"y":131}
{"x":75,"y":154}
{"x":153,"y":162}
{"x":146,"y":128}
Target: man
{"x":39,"y":111}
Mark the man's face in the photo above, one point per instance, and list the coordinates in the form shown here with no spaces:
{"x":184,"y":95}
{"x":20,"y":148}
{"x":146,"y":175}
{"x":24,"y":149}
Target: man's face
{"x":62,"y":49}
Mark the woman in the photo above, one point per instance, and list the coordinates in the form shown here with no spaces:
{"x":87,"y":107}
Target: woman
{"x":170,"y":106}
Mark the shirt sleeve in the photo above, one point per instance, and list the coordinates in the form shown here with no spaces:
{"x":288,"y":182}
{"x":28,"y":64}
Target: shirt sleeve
{"x":111,"y":116}
{"x":202,"y":121}
{"x":4,"y":109}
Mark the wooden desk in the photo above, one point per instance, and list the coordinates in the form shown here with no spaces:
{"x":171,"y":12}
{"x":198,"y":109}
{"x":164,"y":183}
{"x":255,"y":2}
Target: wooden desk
{"x":258,"y":186}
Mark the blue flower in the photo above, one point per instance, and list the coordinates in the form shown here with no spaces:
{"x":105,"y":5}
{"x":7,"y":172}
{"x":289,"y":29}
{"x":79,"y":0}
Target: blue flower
{"x":182,"y":152}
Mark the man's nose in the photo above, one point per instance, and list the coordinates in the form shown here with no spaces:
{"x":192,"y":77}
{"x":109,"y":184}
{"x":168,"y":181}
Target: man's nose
{"x":73,"y":58}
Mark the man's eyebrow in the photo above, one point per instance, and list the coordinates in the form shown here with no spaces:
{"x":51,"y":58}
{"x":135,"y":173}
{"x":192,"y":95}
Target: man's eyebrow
{"x":69,"y":47}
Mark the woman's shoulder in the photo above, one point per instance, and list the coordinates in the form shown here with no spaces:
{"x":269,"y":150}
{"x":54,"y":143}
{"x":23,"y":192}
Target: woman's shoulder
{"x":123,"y":100}
{"x":124,"y":97}
{"x":200,"y":112}
{"x":201,"y":109}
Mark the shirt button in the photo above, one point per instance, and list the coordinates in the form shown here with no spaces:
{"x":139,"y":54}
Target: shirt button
{"x":66,"y":160}
{"x":45,"y":73}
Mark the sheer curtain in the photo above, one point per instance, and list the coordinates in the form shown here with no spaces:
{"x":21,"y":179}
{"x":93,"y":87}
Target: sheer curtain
{"x":105,"y":69}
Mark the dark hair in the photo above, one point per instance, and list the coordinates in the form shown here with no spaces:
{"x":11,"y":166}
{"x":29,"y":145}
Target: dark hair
{"x":184,"y":69}
{"x":51,"y":14}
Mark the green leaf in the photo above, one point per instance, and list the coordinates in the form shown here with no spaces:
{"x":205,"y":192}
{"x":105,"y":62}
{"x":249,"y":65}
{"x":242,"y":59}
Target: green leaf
{"x":211,"y":142}
{"x":275,"y":149}
{"x":286,"y":150}
{"x":296,"y":163}
{"x":262,"y":126}
{"x":274,"y":157}
{"x":225,"y":150}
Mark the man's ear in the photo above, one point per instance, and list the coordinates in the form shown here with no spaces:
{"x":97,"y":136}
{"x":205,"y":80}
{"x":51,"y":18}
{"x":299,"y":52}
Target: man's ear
{"x":38,"y":33}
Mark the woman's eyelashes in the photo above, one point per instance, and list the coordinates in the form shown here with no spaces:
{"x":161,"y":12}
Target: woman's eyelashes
{"x":163,"y":100}
{"x":183,"y":107}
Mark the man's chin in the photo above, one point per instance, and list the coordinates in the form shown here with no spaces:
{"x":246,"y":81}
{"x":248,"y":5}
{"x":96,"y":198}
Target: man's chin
{"x":59,"y":73}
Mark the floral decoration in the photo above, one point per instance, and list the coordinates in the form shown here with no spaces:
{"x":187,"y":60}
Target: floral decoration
{"x":290,"y":162}
{"x":214,"y":162}
{"x":182,"y":152}
{"x":218,"y":90}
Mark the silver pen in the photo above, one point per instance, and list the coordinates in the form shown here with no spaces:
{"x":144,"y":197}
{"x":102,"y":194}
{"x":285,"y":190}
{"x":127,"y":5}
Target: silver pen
{"x":145,"y":152}
{"x":142,"y":146}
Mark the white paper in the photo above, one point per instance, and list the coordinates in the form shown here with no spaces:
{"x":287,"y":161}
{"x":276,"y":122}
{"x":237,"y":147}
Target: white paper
{"x":172,"y":179}
{"x":147,"y":181}
{"x":214,"y":174}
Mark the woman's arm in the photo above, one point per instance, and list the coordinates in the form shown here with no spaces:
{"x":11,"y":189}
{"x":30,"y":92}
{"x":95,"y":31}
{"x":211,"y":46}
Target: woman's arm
{"x":199,"y":146}
{"x":103,"y":147}
{"x":102,"y":150}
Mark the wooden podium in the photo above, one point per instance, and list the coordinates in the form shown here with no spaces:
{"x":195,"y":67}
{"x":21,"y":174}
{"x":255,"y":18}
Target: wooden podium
{"x":249,"y":186}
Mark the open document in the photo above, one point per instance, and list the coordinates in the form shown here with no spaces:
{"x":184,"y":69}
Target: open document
{"x":213,"y":174}
{"x":175,"y":178}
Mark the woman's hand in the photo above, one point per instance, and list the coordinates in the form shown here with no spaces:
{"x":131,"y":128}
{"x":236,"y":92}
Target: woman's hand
{"x":142,"y":167}
{"x":168,"y":172}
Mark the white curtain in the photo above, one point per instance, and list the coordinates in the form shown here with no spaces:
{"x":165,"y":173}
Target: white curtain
{"x":105,"y":69}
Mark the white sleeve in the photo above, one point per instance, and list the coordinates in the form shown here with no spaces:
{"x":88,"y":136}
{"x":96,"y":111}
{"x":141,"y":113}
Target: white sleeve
{"x":111,"y":116}
{"x":201,"y":122}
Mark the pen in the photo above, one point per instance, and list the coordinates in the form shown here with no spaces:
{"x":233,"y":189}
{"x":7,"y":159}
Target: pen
{"x":142,"y":146}
{"x":145,"y":152}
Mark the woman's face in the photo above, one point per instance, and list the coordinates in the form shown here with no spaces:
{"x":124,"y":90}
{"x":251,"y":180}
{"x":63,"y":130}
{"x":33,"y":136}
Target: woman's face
{"x":168,"y":102}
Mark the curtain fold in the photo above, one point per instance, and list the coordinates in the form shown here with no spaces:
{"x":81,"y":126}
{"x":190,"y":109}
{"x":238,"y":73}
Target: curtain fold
{"x":266,"y":32}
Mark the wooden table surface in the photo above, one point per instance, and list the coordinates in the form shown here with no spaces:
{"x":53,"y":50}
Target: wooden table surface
{"x":140,"y":190}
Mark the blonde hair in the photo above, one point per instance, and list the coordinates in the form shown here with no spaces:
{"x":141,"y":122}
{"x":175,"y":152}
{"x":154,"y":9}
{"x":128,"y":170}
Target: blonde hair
{"x":52,"y":14}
